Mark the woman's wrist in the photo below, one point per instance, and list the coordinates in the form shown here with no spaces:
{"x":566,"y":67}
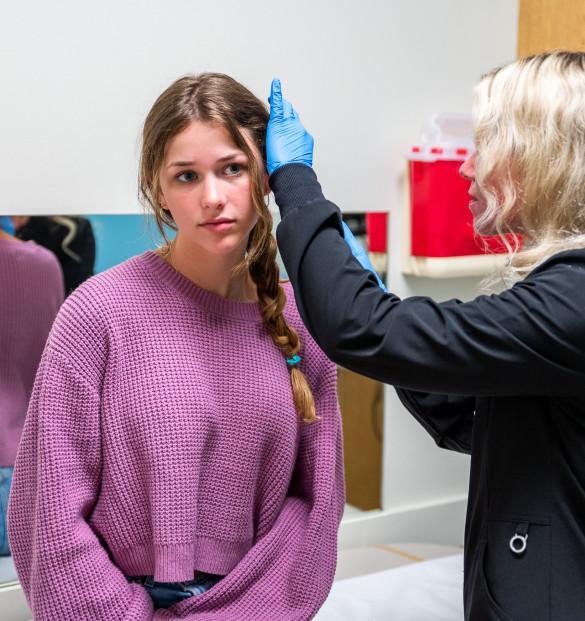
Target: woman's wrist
{"x":295,"y":185}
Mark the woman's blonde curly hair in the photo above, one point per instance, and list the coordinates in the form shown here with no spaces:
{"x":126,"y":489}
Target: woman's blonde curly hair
{"x":530,"y":138}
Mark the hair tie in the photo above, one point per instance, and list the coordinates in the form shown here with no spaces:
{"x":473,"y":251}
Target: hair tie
{"x":293,"y":361}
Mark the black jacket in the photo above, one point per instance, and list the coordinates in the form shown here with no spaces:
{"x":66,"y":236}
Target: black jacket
{"x":501,"y":377}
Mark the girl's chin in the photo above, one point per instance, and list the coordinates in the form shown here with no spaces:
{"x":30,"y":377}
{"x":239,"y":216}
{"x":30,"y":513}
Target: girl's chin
{"x":222,"y":250}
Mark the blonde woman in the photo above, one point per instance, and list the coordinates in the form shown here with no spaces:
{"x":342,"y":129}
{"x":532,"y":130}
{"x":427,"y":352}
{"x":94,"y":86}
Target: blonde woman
{"x":501,"y":377}
{"x":182,"y":456}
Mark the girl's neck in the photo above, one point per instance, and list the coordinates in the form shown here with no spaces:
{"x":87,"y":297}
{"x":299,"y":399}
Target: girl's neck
{"x":212,"y":273}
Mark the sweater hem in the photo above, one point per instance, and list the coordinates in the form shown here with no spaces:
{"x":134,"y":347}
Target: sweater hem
{"x":179,"y":562}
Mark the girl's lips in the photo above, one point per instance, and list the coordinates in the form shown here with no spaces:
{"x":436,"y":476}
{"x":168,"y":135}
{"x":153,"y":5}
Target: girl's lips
{"x":218,"y":226}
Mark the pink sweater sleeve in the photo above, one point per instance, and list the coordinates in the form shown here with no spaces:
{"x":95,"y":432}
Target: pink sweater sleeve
{"x":65,"y":572}
{"x":288,"y":573}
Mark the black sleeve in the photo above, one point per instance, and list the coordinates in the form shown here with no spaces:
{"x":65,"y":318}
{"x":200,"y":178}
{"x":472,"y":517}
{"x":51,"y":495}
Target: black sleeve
{"x":447,"y":418}
{"x":528,"y":340}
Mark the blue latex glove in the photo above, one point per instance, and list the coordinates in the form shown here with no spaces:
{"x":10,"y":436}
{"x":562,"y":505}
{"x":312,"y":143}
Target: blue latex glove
{"x":6,"y":225}
{"x":360,"y":254}
{"x":287,"y":141}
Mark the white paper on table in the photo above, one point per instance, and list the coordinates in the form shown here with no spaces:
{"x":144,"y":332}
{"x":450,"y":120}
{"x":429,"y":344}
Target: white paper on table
{"x":425,"y":591}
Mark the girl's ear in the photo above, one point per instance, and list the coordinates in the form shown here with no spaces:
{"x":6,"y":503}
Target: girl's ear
{"x":266,"y":185}
{"x":161,"y":201}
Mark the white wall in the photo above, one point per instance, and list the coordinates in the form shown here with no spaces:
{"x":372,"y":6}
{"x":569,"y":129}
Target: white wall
{"x":79,"y":77}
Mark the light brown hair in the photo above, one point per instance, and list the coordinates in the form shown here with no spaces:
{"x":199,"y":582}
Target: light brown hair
{"x":218,"y":99}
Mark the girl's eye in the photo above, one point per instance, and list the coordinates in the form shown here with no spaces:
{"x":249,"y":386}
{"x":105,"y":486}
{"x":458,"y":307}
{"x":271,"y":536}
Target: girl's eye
{"x":187,"y":176}
{"x":233,"y":169}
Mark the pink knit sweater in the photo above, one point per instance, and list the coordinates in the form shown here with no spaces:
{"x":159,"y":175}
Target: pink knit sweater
{"x":162,"y":439}
{"x":31,"y":291}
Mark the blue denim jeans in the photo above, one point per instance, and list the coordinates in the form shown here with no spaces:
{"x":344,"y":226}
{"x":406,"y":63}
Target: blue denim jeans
{"x":5,"y":481}
{"x":165,"y":594}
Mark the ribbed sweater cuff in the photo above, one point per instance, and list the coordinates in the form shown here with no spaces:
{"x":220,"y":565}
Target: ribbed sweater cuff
{"x":295,"y":185}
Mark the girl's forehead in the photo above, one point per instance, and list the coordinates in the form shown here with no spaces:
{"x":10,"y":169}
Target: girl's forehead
{"x":199,"y":133}
{"x":201,"y":140}
{"x":205,"y":139}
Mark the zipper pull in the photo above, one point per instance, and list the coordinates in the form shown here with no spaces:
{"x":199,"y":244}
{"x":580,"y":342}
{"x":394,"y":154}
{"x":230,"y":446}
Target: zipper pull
{"x":518,"y":540}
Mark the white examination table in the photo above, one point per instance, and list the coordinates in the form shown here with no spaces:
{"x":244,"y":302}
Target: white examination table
{"x":426,"y":590}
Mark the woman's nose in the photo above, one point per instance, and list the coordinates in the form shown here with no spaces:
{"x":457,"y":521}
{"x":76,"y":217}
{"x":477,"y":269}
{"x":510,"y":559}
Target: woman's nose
{"x":467,"y":169}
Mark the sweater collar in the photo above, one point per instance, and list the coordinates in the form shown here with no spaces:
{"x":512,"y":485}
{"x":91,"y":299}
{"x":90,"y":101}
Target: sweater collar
{"x":209,"y":301}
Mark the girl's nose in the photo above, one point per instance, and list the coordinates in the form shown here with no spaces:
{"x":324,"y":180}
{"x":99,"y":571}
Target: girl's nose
{"x":213,"y":197}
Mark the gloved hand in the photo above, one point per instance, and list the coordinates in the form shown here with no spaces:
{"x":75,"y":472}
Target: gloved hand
{"x":287,"y":141}
{"x":360,"y":254}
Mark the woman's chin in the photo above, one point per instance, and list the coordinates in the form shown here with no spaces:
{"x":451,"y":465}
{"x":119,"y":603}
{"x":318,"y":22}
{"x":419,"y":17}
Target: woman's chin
{"x":485,"y":232}
{"x":484,"y":229}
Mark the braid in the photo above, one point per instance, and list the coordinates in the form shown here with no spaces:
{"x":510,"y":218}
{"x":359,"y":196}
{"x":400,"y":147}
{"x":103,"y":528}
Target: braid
{"x":264,"y":272}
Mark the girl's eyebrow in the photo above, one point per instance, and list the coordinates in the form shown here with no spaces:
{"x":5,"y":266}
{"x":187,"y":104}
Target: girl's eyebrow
{"x":225,"y":158}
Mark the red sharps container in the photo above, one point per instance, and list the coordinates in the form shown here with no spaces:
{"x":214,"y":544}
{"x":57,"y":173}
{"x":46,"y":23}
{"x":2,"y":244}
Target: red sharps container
{"x":377,"y":231}
{"x":441,"y":223}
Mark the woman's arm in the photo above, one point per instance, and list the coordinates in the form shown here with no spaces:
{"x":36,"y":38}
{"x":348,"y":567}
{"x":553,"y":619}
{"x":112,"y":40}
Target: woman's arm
{"x":527,"y":340}
{"x":288,"y":573}
{"x":447,"y":418}
{"x":64,"y":570}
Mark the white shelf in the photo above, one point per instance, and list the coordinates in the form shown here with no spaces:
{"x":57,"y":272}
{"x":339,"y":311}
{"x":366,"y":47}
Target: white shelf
{"x":453,"y":267}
